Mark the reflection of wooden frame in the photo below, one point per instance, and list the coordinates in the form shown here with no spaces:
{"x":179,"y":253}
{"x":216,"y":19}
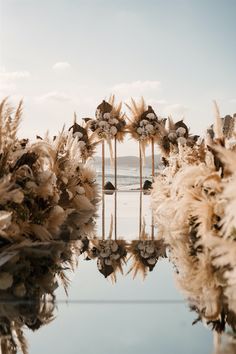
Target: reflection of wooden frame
{"x":115,"y":152}
{"x":104,"y":216}
{"x":153,"y":160}
{"x":103,"y":164}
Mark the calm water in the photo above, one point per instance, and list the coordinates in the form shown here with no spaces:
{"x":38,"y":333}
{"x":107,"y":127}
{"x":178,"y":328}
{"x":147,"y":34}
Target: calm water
{"x":131,"y":316}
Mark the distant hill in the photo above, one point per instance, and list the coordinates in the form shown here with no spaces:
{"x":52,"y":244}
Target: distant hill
{"x":128,"y":162}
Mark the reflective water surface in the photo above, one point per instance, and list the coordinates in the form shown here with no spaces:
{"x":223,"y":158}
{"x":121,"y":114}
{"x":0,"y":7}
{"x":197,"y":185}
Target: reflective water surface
{"x":64,"y":297}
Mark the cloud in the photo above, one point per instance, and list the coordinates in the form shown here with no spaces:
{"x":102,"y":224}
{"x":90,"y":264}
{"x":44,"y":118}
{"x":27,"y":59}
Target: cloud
{"x":7,"y":76}
{"x":175,"y":109}
{"x":61,"y":65}
{"x":137,"y":88}
{"x":55,"y":96}
{"x":9,"y":80}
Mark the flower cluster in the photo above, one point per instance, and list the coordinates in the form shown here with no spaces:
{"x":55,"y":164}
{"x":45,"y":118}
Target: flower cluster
{"x":144,"y":123}
{"x":85,"y":142}
{"x":110,"y":122}
{"x":110,"y":256}
{"x":42,"y":185}
{"x":193,"y":201}
{"x":145,"y":254}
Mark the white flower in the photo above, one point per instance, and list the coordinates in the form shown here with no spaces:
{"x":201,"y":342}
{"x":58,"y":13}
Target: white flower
{"x":144,"y":254}
{"x":181,"y":140}
{"x":149,"y":127}
{"x":6,"y":280}
{"x":78,"y":135}
{"x":172,"y":137}
{"x":81,"y":144}
{"x":151,"y":261}
{"x":181,"y":131}
{"x":115,"y":256}
{"x":113,"y":130}
{"x":140,"y":131}
{"x":105,"y":253}
{"x":80,"y":190}
{"x":151,"y":116}
{"x":102,"y":123}
{"x":113,"y":121}
{"x":150,"y":248}
{"x":141,"y":246}
{"x":114,"y":247}
{"x":18,"y":197}
{"x":106,"y":116}
{"x":20,"y":290}
{"x":144,"y":121}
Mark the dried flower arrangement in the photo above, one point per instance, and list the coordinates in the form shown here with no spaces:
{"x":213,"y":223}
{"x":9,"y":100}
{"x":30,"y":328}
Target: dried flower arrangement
{"x":43,"y":184}
{"x":87,"y":143}
{"x":171,"y":136}
{"x":193,"y":201}
{"x":144,"y":253}
{"x":109,"y":122}
{"x":144,"y":123}
{"x":28,"y":279}
{"x":110,"y":254}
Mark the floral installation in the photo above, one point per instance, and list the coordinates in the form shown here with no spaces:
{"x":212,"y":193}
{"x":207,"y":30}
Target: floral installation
{"x":144,"y":253}
{"x":144,"y":123}
{"x":171,"y":137}
{"x":29,"y":274}
{"x":110,"y":254}
{"x":87,"y":143}
{"x":193,"y":201}
{"x":42,"y":184}
{"x":109,"y":123}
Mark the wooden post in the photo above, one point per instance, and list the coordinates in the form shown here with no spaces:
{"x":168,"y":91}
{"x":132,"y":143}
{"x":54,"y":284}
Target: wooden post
{"x":103,"y":216}
{"x":140,"y":167}
{"x":115,"y":215}
{"x":153,"y":161}
{"x":103,"y":164}
{"x":115,"y":143}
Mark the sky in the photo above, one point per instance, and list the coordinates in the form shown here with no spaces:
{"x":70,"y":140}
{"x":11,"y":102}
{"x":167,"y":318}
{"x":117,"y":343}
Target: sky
{"x":65,"y":56}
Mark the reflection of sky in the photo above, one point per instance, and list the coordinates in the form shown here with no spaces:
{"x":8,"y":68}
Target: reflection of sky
{"x":130,"y":328}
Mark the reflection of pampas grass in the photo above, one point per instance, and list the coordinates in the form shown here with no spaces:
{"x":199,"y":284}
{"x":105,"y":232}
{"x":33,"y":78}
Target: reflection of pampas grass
{"x":29,"y":274}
